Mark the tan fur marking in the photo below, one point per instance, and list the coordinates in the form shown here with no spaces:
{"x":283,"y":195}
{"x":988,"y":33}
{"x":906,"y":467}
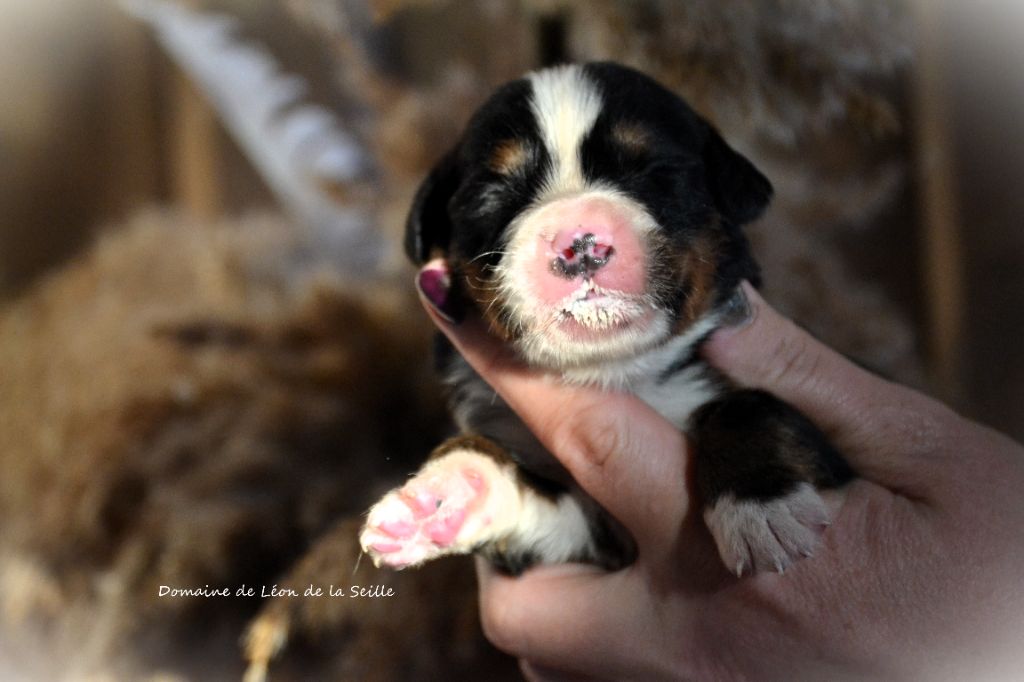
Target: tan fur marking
{"x":483,"y":291}
{"x":472,"y":443}
{"x":508,"y":157}
{"x":698,"y":266}
{"x":632,"y":136}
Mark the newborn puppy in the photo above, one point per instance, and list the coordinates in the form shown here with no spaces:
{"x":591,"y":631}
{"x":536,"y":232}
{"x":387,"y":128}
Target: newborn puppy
{"x":593,"y":219}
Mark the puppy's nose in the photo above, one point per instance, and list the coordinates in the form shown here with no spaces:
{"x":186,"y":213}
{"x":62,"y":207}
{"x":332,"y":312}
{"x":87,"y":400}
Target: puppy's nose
{"x":581,"y":241}
{"x":580,"y":253}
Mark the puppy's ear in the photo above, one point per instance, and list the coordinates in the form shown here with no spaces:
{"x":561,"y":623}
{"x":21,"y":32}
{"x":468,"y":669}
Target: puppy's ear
{"x":739,"y":189}
{"x":428,"y":228}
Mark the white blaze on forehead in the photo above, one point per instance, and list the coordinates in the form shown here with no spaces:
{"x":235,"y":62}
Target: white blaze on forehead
{"x":566,"y":105}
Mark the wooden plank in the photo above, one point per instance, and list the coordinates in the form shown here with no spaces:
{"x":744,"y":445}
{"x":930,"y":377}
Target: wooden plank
{"x":132,"y":128}
{"x":195,"y":155}
{"x":936,"y":168}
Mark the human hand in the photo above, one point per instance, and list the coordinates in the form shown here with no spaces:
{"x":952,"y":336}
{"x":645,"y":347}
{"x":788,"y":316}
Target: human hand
{"x":919,"y":576}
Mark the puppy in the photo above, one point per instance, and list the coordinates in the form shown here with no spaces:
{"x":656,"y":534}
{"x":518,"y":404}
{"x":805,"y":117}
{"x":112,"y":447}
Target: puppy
{"x":593,"y":219}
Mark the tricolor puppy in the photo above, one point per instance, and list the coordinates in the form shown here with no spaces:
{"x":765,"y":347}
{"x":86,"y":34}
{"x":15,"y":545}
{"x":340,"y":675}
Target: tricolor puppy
{"x":593,"y":219}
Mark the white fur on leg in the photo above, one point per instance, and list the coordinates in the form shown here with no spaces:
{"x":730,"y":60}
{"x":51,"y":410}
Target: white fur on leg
{"x":758,"y":536}
{"x":553,"y":531}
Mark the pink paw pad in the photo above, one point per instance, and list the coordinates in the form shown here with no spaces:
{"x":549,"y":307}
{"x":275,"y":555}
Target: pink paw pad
{"x":474,"y":479}
{"x":425,"y":517}
{"x":385,"y":547}
{"x":442,"y":531}
{"x":397,"y":529}
{"x":422,"y":503}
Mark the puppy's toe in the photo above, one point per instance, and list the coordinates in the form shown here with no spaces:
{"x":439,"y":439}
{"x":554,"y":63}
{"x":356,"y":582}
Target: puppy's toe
{"x":767,"y":535}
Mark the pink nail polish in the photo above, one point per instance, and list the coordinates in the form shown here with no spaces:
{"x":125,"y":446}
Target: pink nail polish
{"x":435,"y":285}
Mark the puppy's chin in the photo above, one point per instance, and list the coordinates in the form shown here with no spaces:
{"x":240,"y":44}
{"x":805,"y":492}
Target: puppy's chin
{"x":592,"y":333}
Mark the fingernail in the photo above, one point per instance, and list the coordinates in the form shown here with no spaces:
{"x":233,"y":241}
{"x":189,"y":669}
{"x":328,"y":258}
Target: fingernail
{"x":737,"y":312}
{"x":434,"y":284}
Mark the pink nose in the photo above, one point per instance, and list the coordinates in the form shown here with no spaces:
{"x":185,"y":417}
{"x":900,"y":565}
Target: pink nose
{"x":580,"y":252}
{"x":583,"y":241}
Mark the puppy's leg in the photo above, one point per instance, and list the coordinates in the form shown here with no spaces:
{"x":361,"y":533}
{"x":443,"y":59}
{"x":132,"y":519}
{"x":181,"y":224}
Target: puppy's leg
{"x":759,"y":465}
{"x":471,"y":496}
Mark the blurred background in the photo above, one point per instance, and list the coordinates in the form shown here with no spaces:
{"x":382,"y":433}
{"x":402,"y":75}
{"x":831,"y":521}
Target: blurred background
{"x":212,"y":362}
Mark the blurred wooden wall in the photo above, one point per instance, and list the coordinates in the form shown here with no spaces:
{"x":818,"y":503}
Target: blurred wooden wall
{"x":78,"y":128}
{"x":970,"y":140}
{"x":97,"y":123}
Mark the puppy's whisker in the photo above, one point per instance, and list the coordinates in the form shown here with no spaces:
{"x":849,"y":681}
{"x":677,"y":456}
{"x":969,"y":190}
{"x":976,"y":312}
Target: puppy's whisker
{"x":486,"y":254}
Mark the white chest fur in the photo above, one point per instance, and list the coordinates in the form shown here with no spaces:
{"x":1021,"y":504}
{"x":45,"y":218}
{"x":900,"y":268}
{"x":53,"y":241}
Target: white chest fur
{"x":673,"y":395}
{"x":676,"y":398}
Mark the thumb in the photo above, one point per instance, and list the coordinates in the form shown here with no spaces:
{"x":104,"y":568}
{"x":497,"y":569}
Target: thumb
{"x":883,"y":429}
{"x":625,"y":455}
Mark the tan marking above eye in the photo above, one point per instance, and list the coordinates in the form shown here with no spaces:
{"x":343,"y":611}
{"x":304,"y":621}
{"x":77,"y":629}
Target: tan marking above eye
{"x":632,"y":136}
{"x":509,"y":156}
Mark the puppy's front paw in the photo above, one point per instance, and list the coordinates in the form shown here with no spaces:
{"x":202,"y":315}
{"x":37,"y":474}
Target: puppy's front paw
{"x":755,"y":535}
{"x":456,"y":503}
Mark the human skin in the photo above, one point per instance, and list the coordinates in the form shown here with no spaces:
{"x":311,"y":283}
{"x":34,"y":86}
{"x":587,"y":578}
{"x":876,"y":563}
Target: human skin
{"x":920,"y":575}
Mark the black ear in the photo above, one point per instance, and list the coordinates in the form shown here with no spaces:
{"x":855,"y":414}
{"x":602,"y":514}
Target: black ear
{"x":428,"y":227}
{"x":740,"y":190}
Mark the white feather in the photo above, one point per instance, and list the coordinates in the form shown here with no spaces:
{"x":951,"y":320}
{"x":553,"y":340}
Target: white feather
{"x":295,"y":147}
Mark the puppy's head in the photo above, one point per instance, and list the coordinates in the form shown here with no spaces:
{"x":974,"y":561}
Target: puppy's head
{"x":589,"y":214}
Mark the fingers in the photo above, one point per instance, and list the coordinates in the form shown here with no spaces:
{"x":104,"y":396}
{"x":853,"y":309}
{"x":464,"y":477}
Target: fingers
{"x":881,"y":427}
{"x":538,"y":673}
{"x":593,"y":625}
{"x":617,"y":448}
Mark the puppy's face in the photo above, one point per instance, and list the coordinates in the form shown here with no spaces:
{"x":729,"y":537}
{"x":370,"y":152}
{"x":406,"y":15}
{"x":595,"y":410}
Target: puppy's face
{"x":589,"y":214}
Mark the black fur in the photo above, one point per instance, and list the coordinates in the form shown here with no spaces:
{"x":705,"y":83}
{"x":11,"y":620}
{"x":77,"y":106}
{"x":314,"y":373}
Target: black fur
{"x":652,"y":147}
{"x":756,"y":447}
{"x":428,"y":228}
